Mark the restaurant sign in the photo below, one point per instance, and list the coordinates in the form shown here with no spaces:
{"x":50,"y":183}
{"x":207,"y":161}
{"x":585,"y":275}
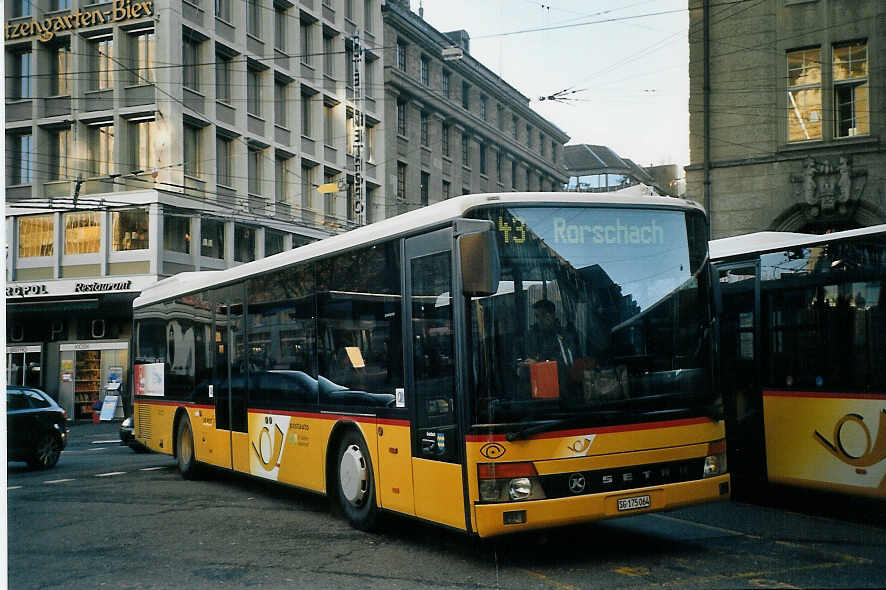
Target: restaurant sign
{"x":78,"y":287}
{"x":45,"y":30}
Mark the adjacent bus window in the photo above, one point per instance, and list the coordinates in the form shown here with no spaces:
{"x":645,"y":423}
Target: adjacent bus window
{"x":359,"y":325}
{"x":282,"y":339}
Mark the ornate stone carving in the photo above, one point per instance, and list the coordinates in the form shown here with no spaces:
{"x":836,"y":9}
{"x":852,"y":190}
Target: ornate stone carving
{"x":829,"y":188}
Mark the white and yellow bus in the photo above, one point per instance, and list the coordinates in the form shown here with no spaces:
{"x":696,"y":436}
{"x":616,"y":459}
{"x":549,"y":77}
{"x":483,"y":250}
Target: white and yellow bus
{"x":803,"y":358}
{"x":399,"y":367}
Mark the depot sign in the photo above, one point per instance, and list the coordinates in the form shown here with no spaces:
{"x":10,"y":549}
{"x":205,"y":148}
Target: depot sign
{"x":78,"y":287}
{"x":45,"y":30}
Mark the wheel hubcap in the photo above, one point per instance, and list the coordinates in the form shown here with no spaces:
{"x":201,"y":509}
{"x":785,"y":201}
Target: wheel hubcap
{"x":353,"y":475}
{"x":185,"y":450}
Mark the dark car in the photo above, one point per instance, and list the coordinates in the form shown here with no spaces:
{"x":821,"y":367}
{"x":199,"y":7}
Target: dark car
{"x":127,"y":436}
{"x":36,"y":427}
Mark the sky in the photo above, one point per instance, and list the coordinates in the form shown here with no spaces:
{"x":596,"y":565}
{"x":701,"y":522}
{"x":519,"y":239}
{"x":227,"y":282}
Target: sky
{"x":632,"y":73}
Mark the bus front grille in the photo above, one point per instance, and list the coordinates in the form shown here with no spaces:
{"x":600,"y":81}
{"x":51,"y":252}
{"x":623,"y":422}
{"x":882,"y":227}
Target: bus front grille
{"x":563,"y":485}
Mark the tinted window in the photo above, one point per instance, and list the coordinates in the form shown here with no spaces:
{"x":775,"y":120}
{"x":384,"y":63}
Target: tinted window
{"x":359,"y":320}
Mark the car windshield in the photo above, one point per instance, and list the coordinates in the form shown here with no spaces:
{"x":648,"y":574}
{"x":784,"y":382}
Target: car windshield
{"x":600,"y":316}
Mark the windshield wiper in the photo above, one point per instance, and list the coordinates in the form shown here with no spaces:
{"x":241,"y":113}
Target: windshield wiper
{"x":536,"y":428}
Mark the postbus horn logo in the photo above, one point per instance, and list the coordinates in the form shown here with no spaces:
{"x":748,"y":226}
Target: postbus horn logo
{"x":266,"y":456}
{"x":873,"y":453}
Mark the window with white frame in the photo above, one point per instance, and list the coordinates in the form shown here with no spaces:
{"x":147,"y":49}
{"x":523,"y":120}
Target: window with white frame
{"x":82,"y":232}
{"x":329,"y":124}
{"x":143,"y":136}
{"x":281,"y":179}
{"x":36,"y":236}
{"x":21,"y":74}
{"x":401,"y":118}
{"x":223,"y":68}
{"x":329,"y":55}
{"x":253,"y":91}
{"x":253,"y":17}
{"x":60,"y":74}
{"x":401,"y":56}
{"x":101,"y":150}
{"x":223,"y":161}
{"x":190,"y":63}
{"x":401,"y":181}
{"x":21,"y":166}
{"x":254,"y":160}
{"x":306,"y":47}
{"x":280,"y":103}
{"x":60,"y":154}
{"x":142,"y":48}
{"x":191,"y":144}
{"x":307,"y":120}
{"x":280,"y":22}
{"x":851,"y":105}
{"x":804,"y":94}
{"x":101,"y":64}
{"x":223,"y":10}
{"x":129,"y":230}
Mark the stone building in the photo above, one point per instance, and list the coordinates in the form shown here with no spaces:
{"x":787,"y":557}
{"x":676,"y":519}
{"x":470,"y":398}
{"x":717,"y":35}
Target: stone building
{"x":787,"y":114}
{"x":146,"y":138}
{"x":456,"y":127}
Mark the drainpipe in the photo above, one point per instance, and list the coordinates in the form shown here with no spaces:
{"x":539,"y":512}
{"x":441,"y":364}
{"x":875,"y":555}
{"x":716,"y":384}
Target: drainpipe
{"x":706,"y":16}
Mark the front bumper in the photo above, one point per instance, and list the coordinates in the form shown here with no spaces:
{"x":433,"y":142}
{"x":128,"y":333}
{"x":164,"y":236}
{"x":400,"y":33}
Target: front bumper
{"x":490,"y":518}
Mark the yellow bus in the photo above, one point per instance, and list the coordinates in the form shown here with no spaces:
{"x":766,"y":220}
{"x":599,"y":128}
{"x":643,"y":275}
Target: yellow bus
{"x":802,"y":349}
{"x":491,"y":363}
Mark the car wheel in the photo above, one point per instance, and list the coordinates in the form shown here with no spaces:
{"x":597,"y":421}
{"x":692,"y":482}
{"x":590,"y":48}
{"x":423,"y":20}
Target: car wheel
{"x":355,"y":482}
{"x":48,"y":450}
{"x":187,"y":464}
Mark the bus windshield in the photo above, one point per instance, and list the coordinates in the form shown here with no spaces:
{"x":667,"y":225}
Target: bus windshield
{"x":600,"y":317}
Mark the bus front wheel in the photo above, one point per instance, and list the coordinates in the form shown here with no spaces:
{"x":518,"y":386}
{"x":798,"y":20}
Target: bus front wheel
{"x":187,"y":463}
{"x":356,"y":485}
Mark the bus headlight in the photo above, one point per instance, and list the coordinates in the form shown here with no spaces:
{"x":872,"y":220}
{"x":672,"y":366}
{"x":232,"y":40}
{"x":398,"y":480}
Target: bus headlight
{"x":715,"y":462}
{"x":520,"y":488}
{"x":508,"y":482}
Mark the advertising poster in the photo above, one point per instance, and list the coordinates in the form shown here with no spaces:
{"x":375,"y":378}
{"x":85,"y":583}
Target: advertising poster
{"x":148,"y":379}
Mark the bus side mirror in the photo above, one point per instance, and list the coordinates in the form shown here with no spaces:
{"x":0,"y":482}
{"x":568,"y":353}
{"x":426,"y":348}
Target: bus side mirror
{"x":480,"y":266}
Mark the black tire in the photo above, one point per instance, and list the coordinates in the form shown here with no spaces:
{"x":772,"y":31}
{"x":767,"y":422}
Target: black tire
{"x":354,"y":482}
{"x":184,"y":450}
{"x":48,"y":450}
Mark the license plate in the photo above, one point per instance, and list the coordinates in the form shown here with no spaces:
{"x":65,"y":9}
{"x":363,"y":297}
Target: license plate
{"x":634,"y":503}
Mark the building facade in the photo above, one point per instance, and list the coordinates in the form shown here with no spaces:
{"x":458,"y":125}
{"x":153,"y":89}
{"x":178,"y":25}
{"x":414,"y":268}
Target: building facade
{"x":787,"y":104}
{"x":147,"y":138}
{"x":454,"y":127}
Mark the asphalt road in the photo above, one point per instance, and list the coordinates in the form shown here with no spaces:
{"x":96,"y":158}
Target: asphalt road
{"x":107,"y":517}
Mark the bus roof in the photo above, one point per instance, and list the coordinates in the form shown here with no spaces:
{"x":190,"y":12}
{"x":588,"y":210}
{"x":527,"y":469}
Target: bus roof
{"x":770,"y":241}
{"x":425,"y":217}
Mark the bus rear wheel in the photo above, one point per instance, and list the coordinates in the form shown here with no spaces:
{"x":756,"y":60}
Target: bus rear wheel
{"x":187,"y":463}
{"x":355,"y":482}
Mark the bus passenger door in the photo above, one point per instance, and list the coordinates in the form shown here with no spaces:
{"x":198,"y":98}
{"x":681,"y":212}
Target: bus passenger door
{"x":737,"y":297}
{"x":229,"y":446}
{"x":429,"y":347}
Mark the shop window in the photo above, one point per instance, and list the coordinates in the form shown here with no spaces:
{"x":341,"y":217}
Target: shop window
{"x":273,"y":242}
{"x":82,"y":232}
{"x":35,"y":235}
{"x":244,"y":243}
{"x":129,"y":230}
{"x":212,"y":238}
{"x":177,"y":233}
